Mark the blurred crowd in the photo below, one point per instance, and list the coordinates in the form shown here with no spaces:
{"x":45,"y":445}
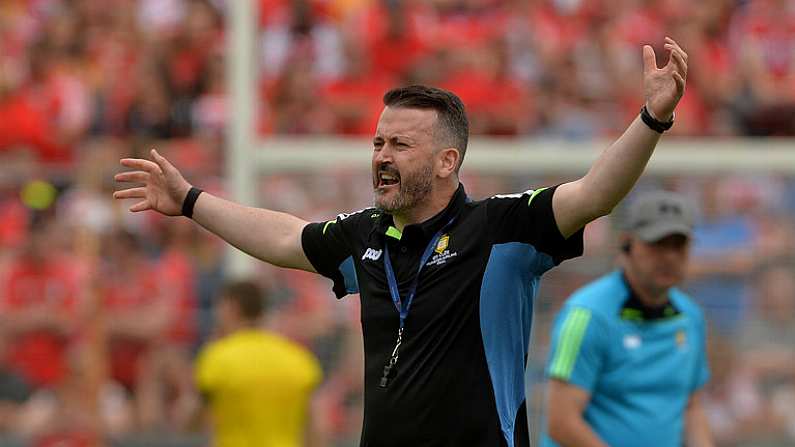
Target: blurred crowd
{"x":154,"y":68}
{"x":102,"y":311}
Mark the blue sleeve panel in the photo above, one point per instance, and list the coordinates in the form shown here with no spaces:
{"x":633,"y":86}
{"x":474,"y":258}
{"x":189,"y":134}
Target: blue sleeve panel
{"x":509,"y":284}
{"x":348,"y":271}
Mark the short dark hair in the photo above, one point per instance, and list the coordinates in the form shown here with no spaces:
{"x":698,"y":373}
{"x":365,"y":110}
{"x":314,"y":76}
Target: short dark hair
{"x":247,"y":296}
{"x":452,"y":122}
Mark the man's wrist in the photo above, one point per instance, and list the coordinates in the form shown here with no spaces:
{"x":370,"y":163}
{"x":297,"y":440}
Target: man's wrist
{"x":658,"y":116}
{"x":190,"y":201}
{"x":653,"y":122}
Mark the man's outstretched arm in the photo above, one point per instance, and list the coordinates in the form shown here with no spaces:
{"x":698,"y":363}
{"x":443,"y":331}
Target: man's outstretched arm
{"x":566,"y":425}
{"x":615,"y":172}
{"x":696,"y":423}
{"x":271,"y":236}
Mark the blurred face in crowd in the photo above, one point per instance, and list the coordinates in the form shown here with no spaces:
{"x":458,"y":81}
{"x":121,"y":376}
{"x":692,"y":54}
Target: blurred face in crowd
{"x":777,"y":294}
{"x":403,"y":158}
{"x":658,"y":266}
{"x":39,"y":246}
{"x":227,"y":316}
{"x":3,"y":348}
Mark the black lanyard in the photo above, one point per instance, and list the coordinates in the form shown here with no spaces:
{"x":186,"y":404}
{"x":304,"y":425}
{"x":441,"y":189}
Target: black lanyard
{"x":403,"y":306}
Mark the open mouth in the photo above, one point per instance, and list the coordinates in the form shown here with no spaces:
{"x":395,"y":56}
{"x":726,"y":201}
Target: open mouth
{"x":387,"y":179}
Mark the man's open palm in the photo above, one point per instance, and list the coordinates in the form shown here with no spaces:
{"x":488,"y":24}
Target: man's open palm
{"x":664,"y":87}
{"x":164,"y":189}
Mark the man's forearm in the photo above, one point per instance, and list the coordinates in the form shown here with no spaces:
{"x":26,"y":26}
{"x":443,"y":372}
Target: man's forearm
{"x":608,"y":181}
{"x":697,"y":425}
{"x":41,"y":318}
{"x":617,"y":170}
{"x":271,"y":236}
{"x":574,"y":432}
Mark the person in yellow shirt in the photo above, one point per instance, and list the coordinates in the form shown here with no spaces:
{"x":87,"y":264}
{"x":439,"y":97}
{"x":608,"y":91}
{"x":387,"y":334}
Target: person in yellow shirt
{"x":257,"y":385}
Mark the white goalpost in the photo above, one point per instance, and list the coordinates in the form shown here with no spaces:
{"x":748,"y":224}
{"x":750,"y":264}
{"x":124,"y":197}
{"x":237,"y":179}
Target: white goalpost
{"x":538,"y":156}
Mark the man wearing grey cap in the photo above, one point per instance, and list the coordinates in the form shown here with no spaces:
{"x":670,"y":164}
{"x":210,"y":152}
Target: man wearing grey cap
{"x":627,"y":360}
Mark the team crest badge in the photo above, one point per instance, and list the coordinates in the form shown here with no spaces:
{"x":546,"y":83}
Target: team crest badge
{"x":681,"y":338}
{"x":441,"y":246}
{"x":442,"y":252}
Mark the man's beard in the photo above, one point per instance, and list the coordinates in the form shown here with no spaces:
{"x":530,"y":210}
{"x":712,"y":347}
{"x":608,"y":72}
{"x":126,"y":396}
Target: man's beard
{"x":414,"y":188}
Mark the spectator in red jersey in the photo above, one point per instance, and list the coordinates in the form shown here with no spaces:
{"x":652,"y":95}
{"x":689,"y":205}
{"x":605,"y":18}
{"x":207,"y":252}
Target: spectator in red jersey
{"x":300,"y":30}
{"x":300,"y":53}
{"x":297,"y":102}
{"x":14,"y":391}
{"x":13,"y":218}
{"x":143,"y":317}
{"x":497,"y":103}
{"x":717,"y":81}
{"x":51,"y":105}
{"x":460,"y":23}
{"x":26,"y":124}
{"x":765,"y":42}
{"x":176,"y":271}
{"x":79,"y":412}
{"x":210,"y":111}
{"x":355,"y":98}
{"x":150,"y":115}
{"x":185,"y":58}
{"x":396,"y":35}
{"x":39,"y":302}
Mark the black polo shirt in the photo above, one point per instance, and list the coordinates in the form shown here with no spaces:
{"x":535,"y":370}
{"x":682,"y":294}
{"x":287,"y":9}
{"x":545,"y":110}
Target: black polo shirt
{"x":460,"y":375}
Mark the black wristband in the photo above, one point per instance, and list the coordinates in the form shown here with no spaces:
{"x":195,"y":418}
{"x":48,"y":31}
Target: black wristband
{"x":657,"y":126}
{"x":190,"y":201}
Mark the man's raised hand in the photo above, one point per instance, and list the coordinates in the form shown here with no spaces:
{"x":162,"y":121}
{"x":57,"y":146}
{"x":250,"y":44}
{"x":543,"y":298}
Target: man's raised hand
{"x":164,"y":189}
{"x":664,"y":87}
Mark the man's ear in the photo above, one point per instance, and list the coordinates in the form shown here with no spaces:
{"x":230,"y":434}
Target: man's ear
{"x":625,"y":242}
{"x":447,"y":161}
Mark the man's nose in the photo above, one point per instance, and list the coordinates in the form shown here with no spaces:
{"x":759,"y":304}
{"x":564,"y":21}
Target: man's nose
{"x":673,"y":254}
{"x":384,"y":155}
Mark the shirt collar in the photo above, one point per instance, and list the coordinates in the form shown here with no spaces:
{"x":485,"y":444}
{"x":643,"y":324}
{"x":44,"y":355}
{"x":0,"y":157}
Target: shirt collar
{"x":634,"y":309}
{"x":429,"y":227}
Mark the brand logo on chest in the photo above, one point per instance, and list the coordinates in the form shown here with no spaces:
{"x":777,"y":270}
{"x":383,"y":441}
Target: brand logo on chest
{"x":632,"y":341}
{"x":372,"y":254}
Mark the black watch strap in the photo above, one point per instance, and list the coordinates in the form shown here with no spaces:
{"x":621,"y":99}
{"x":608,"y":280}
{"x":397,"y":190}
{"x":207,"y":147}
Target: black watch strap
{"x":657,"y":126}
{"x":190,"y":201}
